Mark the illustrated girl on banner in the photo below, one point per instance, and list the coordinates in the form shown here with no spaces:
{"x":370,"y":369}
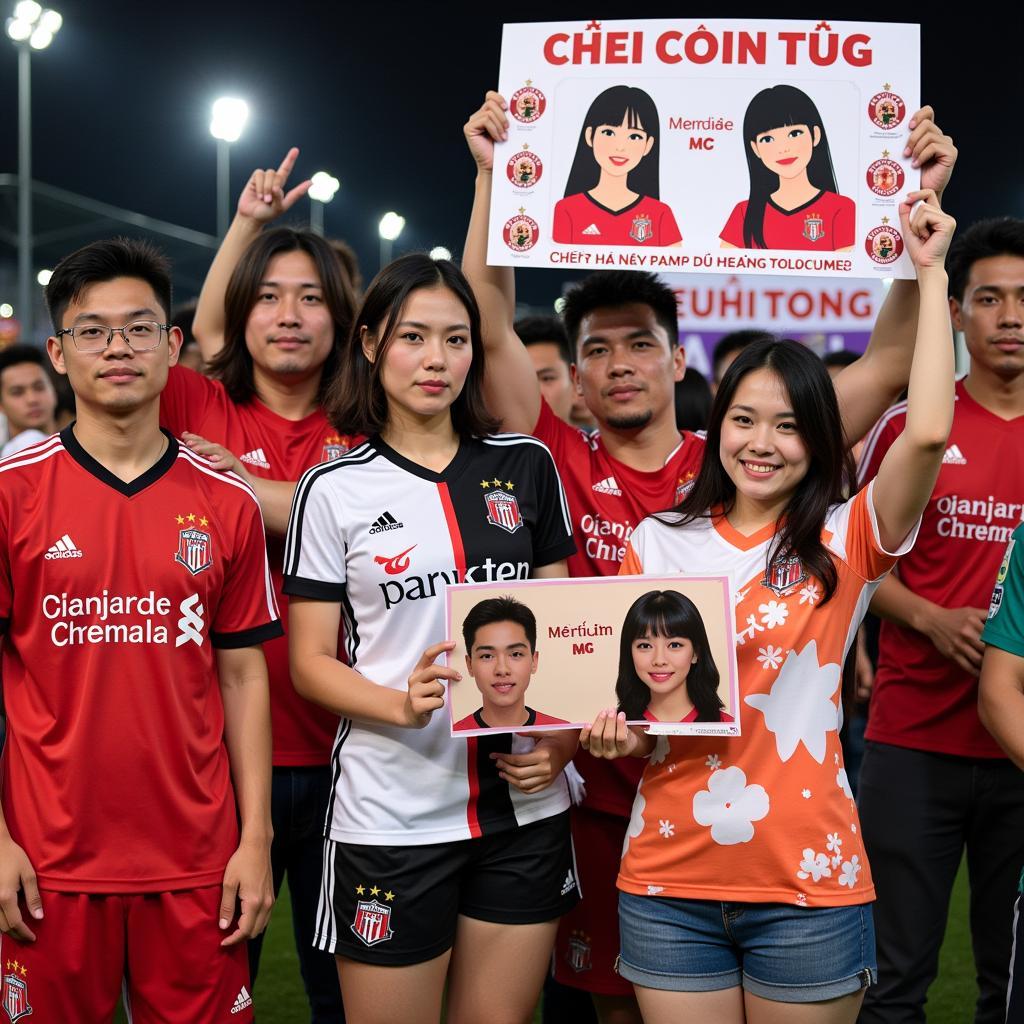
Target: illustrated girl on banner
{"x":794,"y":201}
{"x":612,"y":195}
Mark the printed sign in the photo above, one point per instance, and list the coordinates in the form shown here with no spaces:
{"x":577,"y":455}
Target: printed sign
{"x":715,"y":146}
{"x":550,"y":654}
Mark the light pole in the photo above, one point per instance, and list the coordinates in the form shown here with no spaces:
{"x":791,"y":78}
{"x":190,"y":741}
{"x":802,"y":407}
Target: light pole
{"x":228,"y":119}
{"x":321,"y":192}
{"x":389,"y":229}
{"x":31,"y":28}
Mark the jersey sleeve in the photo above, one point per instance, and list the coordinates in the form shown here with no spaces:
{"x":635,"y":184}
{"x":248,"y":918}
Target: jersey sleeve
{"x":1005,"y":626}
{"x":247,"y":613}
{"x":562,"y":440}
{"x":669,"y":233}
{"x":843,"y":226}
{"x":6,"y":585}
{"x":876,"y":444}
{"x":552,"y":535}
{"x":187,"y":399}
{"x":733,"y":230}
{"x":314,"y":554}
{"x":855,"y":539}
{"x":561,"y":230}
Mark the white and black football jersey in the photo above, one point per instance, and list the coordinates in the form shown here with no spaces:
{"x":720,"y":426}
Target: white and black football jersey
{"x":383,"y":537}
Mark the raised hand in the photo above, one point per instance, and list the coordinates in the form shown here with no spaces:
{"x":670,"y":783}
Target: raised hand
{"x":927,"y":229}
{"x":487,"y":126}
{"x":264,"y":197}
{"x":931,"y":151}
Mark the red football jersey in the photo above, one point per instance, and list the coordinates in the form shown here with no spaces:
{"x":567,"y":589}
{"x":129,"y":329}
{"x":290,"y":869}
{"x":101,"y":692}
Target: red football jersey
{"x":921,"y":699}
{"x":113,"y":598}
{"x":825,"y":223}
{"x":277,"y":449}
{"x":607,"y":500}
{"x":582,"y":220}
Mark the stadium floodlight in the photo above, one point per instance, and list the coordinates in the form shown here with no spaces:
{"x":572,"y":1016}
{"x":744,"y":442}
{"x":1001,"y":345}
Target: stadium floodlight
{"x":227,"y":121}
{"x":43,"y":277}
{"x":391,"y":225}
{"x":439,"y":252}
{"x":321,"y":192}
{"x":6,"y":310}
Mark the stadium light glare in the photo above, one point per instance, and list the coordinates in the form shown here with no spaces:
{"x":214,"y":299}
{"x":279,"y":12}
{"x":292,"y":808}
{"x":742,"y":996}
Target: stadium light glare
{"x":229,"y":116}
{"x":391,"y":225}
{"x":324,"y":186}
{"x":439,"y":252}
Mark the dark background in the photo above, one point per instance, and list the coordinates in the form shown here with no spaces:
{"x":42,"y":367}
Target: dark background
{"x":377,"y":93}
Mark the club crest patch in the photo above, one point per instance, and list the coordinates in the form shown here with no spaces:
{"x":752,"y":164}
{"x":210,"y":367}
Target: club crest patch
{"x":195,"y":545}
{"x":16,"y":1004}
{"x":372,"y":920}
{"x":502,"y":506}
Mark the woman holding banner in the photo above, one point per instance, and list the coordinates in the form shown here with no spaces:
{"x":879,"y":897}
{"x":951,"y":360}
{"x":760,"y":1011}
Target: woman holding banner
{"x":744,"y":883}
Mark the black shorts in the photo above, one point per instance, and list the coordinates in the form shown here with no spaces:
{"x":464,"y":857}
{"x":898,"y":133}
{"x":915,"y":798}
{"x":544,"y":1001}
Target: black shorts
{"x":398,"y":905}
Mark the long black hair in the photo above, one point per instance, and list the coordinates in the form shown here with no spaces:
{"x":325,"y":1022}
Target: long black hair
{"x":779,"y":107}
{"x":356,"y":402}
{"x":812,"y":398}
{"x":667,"y":613}
{"x":621,"y":104}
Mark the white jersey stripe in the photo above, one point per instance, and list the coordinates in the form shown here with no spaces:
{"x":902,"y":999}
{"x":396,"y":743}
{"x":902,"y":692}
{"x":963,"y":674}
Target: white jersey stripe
{"x":34,"y":453}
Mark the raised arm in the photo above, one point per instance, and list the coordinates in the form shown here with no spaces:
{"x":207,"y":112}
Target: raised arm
{"x":510,"y":382}
{"x":911,"y":466}
{"x":869,"y":386}
{"x":262,"y":200}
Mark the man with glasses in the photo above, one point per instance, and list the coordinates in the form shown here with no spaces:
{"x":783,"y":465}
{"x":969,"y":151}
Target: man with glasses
{"x":134,"y":596}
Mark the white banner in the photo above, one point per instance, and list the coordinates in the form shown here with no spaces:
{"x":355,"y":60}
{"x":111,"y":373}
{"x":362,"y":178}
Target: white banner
{"x":722,"y":146}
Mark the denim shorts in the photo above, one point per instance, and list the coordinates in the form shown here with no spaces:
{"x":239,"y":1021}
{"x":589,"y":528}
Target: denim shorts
{"x":785,"y":953}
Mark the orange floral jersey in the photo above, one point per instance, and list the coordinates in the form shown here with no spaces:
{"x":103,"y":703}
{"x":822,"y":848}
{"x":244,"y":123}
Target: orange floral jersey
{"x":766,"y":817}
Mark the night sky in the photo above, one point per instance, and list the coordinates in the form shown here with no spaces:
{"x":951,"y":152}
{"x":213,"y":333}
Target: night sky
{"x":377,"y":93}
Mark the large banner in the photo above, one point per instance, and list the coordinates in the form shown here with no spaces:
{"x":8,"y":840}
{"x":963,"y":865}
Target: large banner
{"x":723,"y":146}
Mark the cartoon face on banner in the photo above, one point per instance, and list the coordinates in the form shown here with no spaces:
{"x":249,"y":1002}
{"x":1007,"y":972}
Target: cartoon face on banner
{"x":713,"y":146}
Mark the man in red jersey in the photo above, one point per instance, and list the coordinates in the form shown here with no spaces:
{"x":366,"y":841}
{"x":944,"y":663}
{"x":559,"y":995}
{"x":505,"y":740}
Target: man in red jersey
{"x":274,"y":312}
{"x":624,"y":333}
{"x":934,"y":782}
{"x":134,"y":595}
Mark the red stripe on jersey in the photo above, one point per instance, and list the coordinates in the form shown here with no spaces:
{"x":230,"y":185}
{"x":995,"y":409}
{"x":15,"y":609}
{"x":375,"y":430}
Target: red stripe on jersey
{"x":459,"y":551}
{"x":453,"y":529}
{"x":472,"y":818}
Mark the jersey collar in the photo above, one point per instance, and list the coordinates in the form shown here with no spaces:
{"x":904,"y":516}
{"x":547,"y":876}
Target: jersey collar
{"x":96,"y":469}
{"x":449,"y":473}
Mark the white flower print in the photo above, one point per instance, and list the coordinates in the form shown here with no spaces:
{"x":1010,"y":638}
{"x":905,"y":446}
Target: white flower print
{"x":770,"y":657}
{"x":713,"y":762}
{"x":851,"y":869}
{"x":653,"y":890}
{"x":799,"y":708}
{"x":748,"y":632}
{"x":738,"y":597}
{"x":730,"y":806}
{"x":837,"y":860}
{"x":843,"y":782}
{"x":853,"y":828}
{"x":666,"y":828}
{"x":801,"y":899}
{"x":833,"y":843}
{"x":636,"y":820}
{"x":836,"y":756}
{"x":774,"y":613}
{"x":806,"y":794}
{"x":814,"y":866}
{"x":810,"y":594}
{"x":661,"y":750}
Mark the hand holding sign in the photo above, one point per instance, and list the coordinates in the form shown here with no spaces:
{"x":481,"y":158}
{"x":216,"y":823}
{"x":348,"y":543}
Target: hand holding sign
{"x":487,"y":126}
{"x":928,"y":230}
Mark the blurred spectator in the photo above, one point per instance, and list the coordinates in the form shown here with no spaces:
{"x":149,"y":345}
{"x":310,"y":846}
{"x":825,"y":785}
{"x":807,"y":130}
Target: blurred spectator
{"x":728,"y":347}
{"x":190,"y":354}
{"x":546,"y":341}
{"x":693,"y":400}
{"x":27,"y":396}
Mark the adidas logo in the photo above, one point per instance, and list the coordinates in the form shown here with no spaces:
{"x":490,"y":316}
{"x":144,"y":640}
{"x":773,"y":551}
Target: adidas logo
{"x":385,"y":522}
{"x":592,"y":230}
{"x":608,"y":486}
{"x":64,"y":548}
{"x":953,"y":456}
{"x":244,"y":1000}
{"x":569,"y":884}
{"x":256,"y":458}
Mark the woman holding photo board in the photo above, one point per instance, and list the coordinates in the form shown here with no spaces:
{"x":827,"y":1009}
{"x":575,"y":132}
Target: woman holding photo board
{"x":744,"y":889}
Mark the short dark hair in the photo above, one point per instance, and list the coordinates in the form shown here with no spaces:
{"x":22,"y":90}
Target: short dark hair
{"x":233,"y":364}
{"x":498,"y":609}
{"x":14,"y":355}
{"x":998,"y":236}
{"x":541,"y":330}
{"x":610,"y":289}
{"x":105,"y":261}
{"x":355,"y":401}
{"x":182,"y":317}
{"x":736,"y":341}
